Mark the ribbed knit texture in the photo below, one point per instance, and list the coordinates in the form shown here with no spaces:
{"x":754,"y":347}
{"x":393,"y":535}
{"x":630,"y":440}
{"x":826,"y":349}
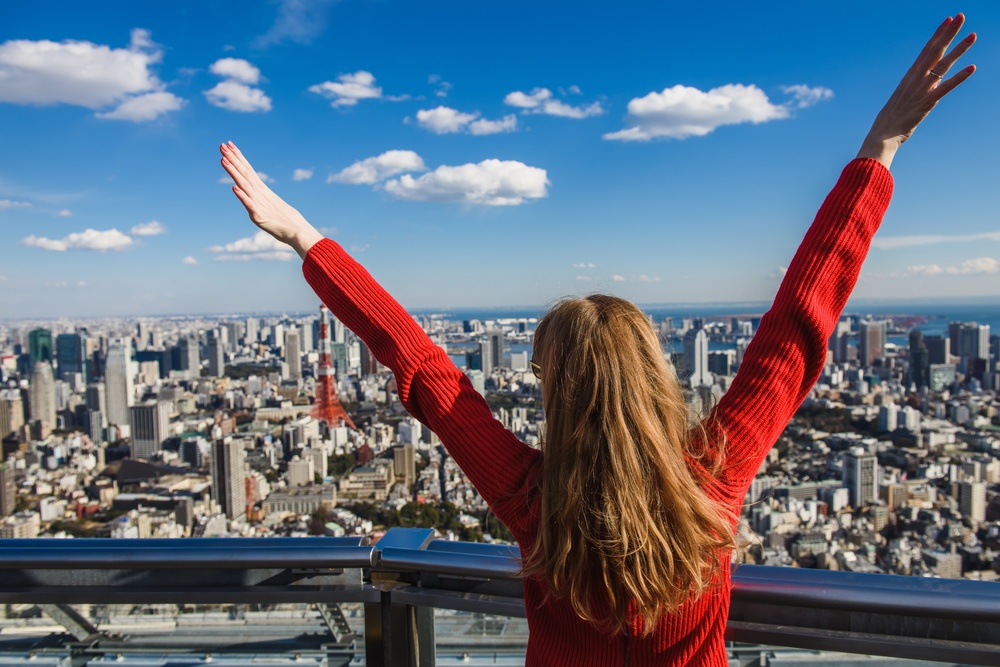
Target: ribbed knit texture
{"x":779,"y":368}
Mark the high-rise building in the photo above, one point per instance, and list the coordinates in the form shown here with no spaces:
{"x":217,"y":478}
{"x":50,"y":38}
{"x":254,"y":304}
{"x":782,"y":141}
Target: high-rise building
{"x":492,"y":347}
{"x":118,"y":382}
{"x":301,"y":472}
{"x":972,"y":501}
{"x":251,"y":337}
{"x":216,"y":354}
{"x":39,"y":346}
{"x":8,"y":496}
{"x":937,"y":349}
{"x":871,"y":341}
{"x":71,"y":355}
{"x":293,"y":354}
{"x":11,"y":412}
{"x":860,"y":476}
{"x":97,"y":398}
{"x":42,"y":394}
{"x":973,"y":340}
{"x":919,"y":360}
{"x":838,"y":341}
{"x":228,"y":473}
{"x":404,"y":462}
{"x":149,"y":427}
{"x":190,"y":357}
{"x":696,"y":357}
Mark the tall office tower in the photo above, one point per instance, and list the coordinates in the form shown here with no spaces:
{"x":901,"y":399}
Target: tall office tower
{"x":232,"y":335}
{"x":972,"y":501}
{"x":492,"y":347}
{"x":293,"y":354}
{"x":308,"y":339}
{"x":954,"y":333}
{"x":216,"y":355}
{"x":871,"y":341}
{"x":71,"y":354}
{"x":369,"y":364}
{"x":141,"y":335}
{"x":228,"y":473}
{"x":94,"y":426}
{"x":278,"y":336}
{"x":974,"y":341}
{"x":42,"y":394}
{"x":919,"y":360}
{"x":838,"y":341}
{"x":860,"y":476}
{"x":696,"y":357}
{"x":327,"y":406}
{"x":8,"y":495}
{"x":150,"y":424}
{"x":118,"y":382}
{"x":190,"y":357}
{"x":301,"y":472}
{"x":39,"y":345}
{"x":404,"y":462}
{"x":97,"y":398}
{"x":339,"y":331}
{"x":252,"y":329}
{"x":937,"y":349}
{"x":11,"y":412}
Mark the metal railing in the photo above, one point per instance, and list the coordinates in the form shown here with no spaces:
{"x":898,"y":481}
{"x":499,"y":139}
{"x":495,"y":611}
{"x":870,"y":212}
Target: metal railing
{"x":407,"y":574}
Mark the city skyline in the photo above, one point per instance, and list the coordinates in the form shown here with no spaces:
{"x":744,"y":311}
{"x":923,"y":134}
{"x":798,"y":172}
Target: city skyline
{"x":504,"y":157}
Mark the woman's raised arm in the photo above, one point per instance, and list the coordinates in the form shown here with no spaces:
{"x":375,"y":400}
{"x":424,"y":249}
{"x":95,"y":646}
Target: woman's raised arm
{"x":788,"y":351}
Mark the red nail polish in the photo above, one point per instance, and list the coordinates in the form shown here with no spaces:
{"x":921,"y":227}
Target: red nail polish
{"x":971,"y":38}
{"x":970,"y":69}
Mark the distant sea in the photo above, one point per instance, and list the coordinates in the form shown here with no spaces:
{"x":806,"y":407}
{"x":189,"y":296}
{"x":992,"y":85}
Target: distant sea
{"x":935,"y":316}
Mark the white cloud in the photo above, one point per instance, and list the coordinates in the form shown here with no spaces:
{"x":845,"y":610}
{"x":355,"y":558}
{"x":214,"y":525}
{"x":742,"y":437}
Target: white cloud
{"x":969,"y":266}
{"x":298,"y":21}
{"x":683,"y":111}
{"x":65,"y":213}
{"x":236,"y":96}
{"x":189,"y":260}
{"x":806,"y":96}
{"x":643,"y":278}
{"x":445,"y":120}
{"x":618,"y":278}
{"x":442,"y":86}
{"x":302,"y":174}
{"x":374,"y":169}
{"x":892,"y":242}
{"x":348,"y":89}
{"x":260,"y":246}
{"x":265,"y":177}
{"x":144,"y":107}
{"x":540,"y":100}
{"x":584,"y":265}
{"x":89,"y":239}
{"x":583,"y":278}
{"x":151,"y":228}
{"x":8,"y":203}
{"x":490,"y":182}
{"x":236,"y":68}
{"x":85,"y":74}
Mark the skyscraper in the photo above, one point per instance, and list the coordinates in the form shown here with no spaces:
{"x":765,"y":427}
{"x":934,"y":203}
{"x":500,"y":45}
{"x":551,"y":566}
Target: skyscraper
{"x":696,"y":357}
{"x":228,"y":473}
{"x":871,"y":341}
{"x":42,"y":394}
{"x":860,"y":476}
{"x":8,"y":496}
{"x":919,"y":360}
{"x":190,"y":357}
{"x":293,"y":354}
{"x":838,"y":341}
{"x":216,"y":354}
{"x":118,"y":382}
{"x":149,"y":426}
{"x":39,"y":346}
{"x":492,"y":347}
{"x":71,"y":354}
{"x":11,"y":412}
{"x":972,"y":501}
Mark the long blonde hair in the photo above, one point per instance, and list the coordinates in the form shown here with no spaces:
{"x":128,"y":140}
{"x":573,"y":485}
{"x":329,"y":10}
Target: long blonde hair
{"x":626,"y":531}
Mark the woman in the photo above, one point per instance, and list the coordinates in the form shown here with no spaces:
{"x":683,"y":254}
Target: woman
{"x":626,"y":517}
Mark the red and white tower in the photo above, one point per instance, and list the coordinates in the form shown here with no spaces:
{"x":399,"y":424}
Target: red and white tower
{"x":327,"y":406}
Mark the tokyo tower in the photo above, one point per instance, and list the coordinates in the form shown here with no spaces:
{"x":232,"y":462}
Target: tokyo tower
{"x":327,"y":406}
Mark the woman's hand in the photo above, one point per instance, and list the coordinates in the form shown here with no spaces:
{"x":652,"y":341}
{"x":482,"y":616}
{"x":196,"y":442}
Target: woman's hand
{"x":267,"y":210}
{"x":922,"y":87}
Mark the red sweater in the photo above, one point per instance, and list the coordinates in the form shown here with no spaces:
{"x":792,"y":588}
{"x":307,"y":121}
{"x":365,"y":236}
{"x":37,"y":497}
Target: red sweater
{"x":778,"y":370}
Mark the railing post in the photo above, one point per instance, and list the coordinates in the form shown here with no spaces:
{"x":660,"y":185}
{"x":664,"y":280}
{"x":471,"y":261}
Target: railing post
{"x":406,"y":632}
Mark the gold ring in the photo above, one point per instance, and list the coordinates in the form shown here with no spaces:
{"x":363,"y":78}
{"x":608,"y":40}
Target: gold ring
{"x":933,"y":73}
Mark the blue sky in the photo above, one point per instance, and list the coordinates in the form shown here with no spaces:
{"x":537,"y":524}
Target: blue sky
{"x":475,"y":154}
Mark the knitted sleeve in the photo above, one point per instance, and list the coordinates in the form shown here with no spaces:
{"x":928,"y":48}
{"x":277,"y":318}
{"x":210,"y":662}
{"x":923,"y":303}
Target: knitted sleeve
{"x":788,"y":351}
{"x":430,"y":387}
